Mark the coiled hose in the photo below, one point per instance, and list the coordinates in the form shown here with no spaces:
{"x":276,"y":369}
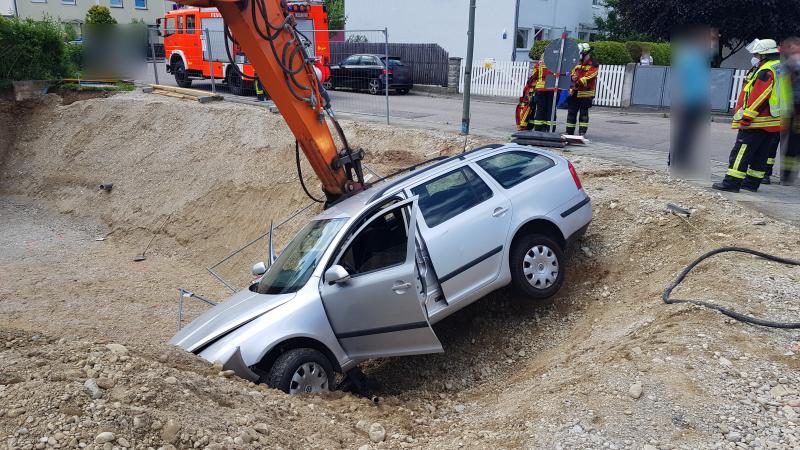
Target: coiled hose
{"x":728,"y":312}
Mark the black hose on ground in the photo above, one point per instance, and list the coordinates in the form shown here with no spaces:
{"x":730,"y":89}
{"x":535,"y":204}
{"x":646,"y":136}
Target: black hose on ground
{"x":728,"y":312}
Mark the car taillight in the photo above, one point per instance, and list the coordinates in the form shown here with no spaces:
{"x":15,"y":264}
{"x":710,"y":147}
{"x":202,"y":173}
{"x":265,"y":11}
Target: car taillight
{"x":387,"y":71}
{"x":575,"y":177}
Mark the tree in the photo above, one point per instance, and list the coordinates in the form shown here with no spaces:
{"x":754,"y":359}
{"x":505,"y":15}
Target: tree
{"x":737,"y":21}
{"x":98,"y":14}
{"x":336,"y":17}
{"x":613,"y":28}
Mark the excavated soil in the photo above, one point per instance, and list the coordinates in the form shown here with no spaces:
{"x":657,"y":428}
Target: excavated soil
{"x":603,"y":365}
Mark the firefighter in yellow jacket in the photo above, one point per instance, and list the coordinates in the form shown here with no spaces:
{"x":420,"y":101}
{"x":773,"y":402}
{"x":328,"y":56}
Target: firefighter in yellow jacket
{"x":526,"y":108}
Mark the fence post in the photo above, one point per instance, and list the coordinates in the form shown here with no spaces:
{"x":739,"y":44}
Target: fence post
{"x":153,"y":54}
{"x":386,"y":77}
{"x":210,"y":61}
{"x":627,"y":84}
{"x":453,"y":74}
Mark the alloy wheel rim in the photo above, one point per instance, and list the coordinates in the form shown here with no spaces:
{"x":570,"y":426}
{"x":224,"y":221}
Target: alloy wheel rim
{"x":540,"y":266}
{"x":309,"y":378}
{"x":373,"y":87}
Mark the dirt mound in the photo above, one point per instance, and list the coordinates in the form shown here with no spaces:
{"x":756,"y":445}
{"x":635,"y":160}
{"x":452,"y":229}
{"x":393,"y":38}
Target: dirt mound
{"x":604,"y":365}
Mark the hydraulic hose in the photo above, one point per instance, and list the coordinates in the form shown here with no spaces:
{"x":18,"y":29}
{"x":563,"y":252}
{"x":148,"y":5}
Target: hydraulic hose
{"x":728,"y":312}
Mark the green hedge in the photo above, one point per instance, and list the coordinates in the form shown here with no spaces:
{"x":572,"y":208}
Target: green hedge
{"x":32,"y":50}
{"x":609,"y":52}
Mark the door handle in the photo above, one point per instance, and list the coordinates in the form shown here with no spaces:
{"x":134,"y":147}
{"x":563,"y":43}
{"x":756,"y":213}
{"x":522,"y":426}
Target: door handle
{"x":401,"y":286}
{"x":499,"y":212}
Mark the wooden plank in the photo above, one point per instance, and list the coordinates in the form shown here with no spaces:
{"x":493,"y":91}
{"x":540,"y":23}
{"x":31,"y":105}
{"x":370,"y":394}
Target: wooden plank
{"x":184,"y":91}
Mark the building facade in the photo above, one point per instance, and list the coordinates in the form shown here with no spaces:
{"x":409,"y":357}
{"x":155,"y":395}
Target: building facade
{"x":504,"y":29}
{"x":74,"y":11}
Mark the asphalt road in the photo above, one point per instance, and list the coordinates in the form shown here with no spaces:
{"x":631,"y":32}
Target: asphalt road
{"x":643,"y":129}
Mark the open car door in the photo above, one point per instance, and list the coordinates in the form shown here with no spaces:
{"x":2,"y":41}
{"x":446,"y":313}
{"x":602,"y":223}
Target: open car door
{"x":371,"y":291}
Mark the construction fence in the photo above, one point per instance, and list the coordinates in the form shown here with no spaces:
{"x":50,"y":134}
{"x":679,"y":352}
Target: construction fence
{"x":646,"y":85}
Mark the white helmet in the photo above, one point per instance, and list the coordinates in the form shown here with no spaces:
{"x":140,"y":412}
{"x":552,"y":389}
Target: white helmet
{"x":762,"y":47}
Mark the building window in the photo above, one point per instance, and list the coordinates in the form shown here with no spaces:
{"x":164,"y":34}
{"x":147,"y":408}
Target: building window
{"x":115,"y":3}
{"x":69,"y":2}
{"x":523,"y":35}
{"x":597,"y":3}
{"x":38,"y":1}
{"x":140,"y":4}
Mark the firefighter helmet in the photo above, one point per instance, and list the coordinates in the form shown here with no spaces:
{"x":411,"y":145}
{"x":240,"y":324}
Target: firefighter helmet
{"x":584,"y":48}
{"x":763,"y":47}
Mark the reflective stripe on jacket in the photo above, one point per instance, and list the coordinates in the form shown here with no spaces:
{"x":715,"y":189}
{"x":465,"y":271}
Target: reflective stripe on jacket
{"x":759,"y":103}
{"x":586,"y":83}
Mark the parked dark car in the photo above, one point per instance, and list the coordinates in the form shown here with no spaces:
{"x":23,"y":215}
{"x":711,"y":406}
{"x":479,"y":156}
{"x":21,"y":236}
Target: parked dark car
{"x":369,"y":73}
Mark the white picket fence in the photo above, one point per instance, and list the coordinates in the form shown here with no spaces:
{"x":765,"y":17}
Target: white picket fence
{"x":738,"y":81}
{"x":609,"y":85}
{"x":508,"y":78}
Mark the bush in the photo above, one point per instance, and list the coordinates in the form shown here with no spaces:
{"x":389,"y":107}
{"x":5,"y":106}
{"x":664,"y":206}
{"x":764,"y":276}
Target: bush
{"x":32,"y":50}
{"x":607,"y":52}
{"x":99,"y":15}
{"x":661,"y":53}
{"x":537,"y":49}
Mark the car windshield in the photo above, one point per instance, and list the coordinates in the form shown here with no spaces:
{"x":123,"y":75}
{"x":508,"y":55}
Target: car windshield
{"x":296,"y":263}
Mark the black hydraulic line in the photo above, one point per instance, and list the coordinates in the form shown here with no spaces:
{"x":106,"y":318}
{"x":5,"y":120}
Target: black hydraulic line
{"x":728,"y":312}
{"x":230,"y":57}
{"x":300,"y":173}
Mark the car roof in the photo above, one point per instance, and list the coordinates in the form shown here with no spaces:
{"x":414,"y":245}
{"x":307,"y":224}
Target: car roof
{"x":393,"y":184}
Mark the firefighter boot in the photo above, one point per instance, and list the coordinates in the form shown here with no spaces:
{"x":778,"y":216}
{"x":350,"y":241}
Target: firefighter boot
{"x":722,"y":186}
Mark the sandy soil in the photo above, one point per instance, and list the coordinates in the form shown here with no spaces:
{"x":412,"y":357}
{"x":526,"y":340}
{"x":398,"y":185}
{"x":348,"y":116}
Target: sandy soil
{"x":604,"y":365}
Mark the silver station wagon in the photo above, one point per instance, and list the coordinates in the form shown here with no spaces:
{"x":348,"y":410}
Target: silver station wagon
{"x":368,"y":276}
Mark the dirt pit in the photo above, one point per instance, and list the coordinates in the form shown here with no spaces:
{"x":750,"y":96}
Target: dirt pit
{"x":83,"y":328}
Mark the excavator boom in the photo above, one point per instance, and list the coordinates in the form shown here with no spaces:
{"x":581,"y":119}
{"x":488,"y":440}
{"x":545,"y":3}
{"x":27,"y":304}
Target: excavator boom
{"x":265,"y":31}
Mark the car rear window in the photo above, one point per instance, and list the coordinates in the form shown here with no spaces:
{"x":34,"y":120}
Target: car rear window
{"x":451,"y":194}
{"x":394,"y":62}
{"x":512,"y":168}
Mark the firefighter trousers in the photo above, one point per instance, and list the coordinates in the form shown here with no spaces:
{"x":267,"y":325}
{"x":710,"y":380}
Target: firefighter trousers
{"x":578,"y":114}
{"x":747,"y":164}
{"x":545,"y":117}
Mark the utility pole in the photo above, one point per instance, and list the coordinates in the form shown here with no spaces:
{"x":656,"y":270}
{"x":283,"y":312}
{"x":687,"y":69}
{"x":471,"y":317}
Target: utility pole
{"x":468,"y":68}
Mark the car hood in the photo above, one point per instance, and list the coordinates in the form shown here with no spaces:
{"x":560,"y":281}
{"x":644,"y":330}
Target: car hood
{"x":239,"y":309}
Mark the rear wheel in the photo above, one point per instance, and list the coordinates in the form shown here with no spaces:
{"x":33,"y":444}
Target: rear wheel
{"x":328,"y":85}
{"x":301,"y":371}
{"x":235,"y":82}
{"x":403,"y":91}
{"x":374,"y":87}
{"x":537,"y":266}
{"x":181,"y":76}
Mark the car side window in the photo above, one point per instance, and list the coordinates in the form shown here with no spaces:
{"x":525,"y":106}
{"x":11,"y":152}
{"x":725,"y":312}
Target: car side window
{"x":371,"y":61}
{"x":512,"y":168}
{"x":381,"y":244}
{"x":451,"y":194}
{"x":190,"y":24}
{"x":350,"y":61}
{"x":180,"y":24}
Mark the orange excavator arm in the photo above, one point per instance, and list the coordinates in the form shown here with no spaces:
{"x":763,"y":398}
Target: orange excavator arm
{"x":265,"y":31}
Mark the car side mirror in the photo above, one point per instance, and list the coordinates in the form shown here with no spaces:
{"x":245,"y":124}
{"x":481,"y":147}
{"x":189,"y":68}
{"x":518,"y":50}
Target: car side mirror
{"x":336,"y":275}
{"x":259,"y":269}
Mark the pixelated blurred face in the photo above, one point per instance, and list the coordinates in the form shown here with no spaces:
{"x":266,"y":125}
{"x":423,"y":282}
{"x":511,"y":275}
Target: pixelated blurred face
{"x":791,"y":48}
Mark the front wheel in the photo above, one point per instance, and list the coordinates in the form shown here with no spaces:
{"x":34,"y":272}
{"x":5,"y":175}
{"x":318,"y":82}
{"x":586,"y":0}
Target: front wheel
{"x":181,"y":76}
{"x":537,"y":266}
{"x":374,"y":87}
{"x":301,"y":371}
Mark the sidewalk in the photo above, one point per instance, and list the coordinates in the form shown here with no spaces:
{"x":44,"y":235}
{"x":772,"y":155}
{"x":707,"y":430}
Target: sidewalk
{"x":776,"y":201}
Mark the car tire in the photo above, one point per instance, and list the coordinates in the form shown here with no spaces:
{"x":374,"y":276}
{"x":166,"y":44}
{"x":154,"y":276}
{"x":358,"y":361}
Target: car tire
{"x":403,"y":91}
{"x":181,"y":76}
{"x":537,"y":266}
{"x":374,"y":87}
{"x":328,"y":85}
{"x":235,"y":82}
{"x":301,"y":371}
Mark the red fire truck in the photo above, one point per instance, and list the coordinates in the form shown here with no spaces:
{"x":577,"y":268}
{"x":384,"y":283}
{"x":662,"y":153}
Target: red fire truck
{"x":187,"y":54}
